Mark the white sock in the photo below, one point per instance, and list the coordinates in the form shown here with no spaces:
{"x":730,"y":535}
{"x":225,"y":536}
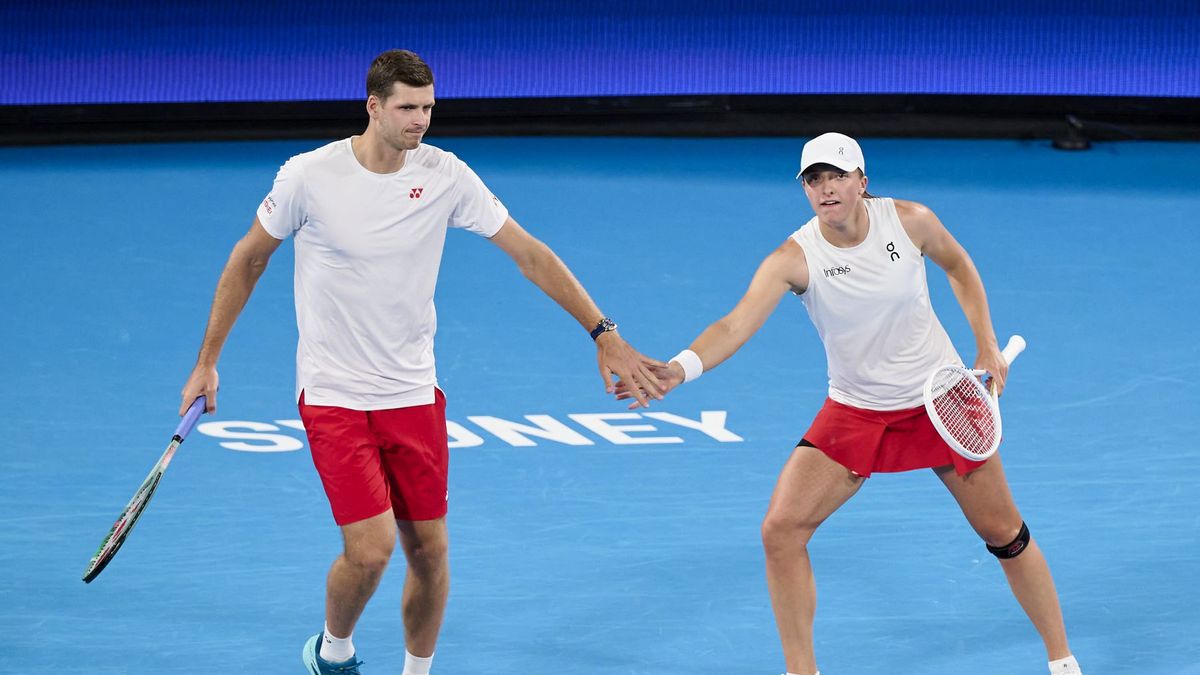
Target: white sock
{"x":1065,"y":666}
{"x":335,"y":649}
{"x":417,"y":665}
{"x":816,"y":673}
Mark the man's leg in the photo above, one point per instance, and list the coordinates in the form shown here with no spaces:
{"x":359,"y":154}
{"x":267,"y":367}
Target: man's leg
{"x":988,"y":505}
{"x":355,"y":574}
{"x":810,"y":488}
{"x":427,"y":584}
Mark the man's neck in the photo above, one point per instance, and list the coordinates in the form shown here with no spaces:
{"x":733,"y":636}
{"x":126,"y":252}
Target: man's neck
{"x":375,"y":155}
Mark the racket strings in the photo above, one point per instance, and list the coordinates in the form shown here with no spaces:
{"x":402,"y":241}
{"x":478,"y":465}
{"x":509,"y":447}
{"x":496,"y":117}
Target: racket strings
{"x":965,"y":411}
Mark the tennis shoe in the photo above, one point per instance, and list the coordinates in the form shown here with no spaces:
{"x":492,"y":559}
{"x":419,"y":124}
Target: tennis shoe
{"x":319,"y":666}
{"x":1065,"y":666}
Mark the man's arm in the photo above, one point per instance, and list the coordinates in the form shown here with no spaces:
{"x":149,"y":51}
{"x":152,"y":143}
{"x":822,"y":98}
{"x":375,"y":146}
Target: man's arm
{"x":246,"y":264}
{"x":540,"y":265}
{"x":936,"y":242}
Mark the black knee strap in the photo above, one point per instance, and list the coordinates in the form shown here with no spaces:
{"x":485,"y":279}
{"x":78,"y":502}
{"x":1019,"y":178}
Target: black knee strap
{"x":1014,"y":548}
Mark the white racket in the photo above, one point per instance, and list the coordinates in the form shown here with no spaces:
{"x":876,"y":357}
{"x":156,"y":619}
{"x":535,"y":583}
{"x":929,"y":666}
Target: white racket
{"x":963,"y":411}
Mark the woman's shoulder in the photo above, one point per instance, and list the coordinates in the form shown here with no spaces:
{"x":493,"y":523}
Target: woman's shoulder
{"x":915,"y":217}
{"x":910,"y":209}
{"x":918,"y":221}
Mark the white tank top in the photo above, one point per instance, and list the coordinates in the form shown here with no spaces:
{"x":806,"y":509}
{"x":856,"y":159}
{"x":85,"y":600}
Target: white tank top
{"x":870,"y":305}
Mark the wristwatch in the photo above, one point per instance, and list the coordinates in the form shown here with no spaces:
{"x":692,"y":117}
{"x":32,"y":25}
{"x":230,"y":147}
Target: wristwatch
{"x":606,"y":324}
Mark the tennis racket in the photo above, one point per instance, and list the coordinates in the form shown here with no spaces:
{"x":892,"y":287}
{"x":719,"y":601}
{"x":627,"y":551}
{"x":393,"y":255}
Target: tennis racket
{"x":964,"y":412}
{"x":141,"y":499}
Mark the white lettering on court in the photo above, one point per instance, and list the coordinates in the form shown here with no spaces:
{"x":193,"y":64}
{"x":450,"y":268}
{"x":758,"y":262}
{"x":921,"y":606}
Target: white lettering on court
{"x":615,"y":428}
{"x":515,"y":433}
{"x":266,"y":442}
{"x":712,"y":423}
{"x":461,"y":437}
{"x":617,"y":433}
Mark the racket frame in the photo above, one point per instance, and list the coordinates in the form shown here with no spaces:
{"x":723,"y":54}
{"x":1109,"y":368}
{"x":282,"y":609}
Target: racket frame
{"x":141,"y":499}
{"x":1016,"y":345}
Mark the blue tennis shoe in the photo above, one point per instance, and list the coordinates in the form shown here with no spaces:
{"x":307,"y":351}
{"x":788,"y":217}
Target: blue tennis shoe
{"x":319,"y":666}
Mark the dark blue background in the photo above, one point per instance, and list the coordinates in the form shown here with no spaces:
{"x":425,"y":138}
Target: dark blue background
{"x":71,"y":51}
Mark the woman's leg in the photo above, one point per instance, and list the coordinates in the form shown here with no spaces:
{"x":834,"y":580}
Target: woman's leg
{"x":810,"y":488}
{"x":988,"y":505}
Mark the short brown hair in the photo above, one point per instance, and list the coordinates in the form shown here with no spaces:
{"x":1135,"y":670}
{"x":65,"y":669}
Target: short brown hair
{"x":397,"y":65}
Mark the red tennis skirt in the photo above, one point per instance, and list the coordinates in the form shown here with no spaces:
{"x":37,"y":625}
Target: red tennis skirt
{"x":885,"y":441}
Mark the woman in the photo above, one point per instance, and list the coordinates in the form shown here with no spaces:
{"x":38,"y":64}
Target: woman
{"x":859,"y":268}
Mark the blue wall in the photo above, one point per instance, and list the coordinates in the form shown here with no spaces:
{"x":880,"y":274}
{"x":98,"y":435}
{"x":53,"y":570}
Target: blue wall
{"x":71,"y":51}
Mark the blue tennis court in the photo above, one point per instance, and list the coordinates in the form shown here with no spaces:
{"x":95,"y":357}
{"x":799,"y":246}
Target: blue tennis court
{"x":586,"y":538}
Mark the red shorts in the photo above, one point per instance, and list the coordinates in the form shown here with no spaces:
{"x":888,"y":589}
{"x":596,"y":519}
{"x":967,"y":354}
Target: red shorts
{"x":370,"y":461}
{"x":887,"y":441}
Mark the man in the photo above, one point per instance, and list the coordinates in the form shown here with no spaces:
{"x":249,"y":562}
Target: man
{"x":369,"y":216}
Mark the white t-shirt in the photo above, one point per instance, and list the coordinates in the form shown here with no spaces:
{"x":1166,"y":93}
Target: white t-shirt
{"x":870,"y":305}
{"x":368,"y":249}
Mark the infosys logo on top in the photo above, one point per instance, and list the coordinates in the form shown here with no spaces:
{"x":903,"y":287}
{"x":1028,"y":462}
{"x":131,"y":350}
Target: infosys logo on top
{"x":837,"y":271}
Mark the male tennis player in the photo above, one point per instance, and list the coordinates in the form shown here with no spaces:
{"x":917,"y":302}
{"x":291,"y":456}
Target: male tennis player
{"x":369,"y":215}
{"x":859,"y":267}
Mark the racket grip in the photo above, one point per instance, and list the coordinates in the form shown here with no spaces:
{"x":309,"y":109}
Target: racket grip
{"x":189,"y":418}
{"x":1016,"y":345}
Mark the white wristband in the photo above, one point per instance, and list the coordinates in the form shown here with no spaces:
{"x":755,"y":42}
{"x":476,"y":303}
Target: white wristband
{"x":692,"y":366}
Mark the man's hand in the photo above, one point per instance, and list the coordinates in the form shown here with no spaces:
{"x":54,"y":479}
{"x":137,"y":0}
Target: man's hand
{"x":203,"y":382}
{"x":617,"y":357}
{"x":669,"y":375}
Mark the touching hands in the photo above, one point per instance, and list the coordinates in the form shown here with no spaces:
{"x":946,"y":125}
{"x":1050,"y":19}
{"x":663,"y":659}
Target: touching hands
{"x":636,"y":372}
{"x":668,"y":376}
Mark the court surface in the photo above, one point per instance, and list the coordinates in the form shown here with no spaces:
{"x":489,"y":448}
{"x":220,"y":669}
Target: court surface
{"x":586,"y":539}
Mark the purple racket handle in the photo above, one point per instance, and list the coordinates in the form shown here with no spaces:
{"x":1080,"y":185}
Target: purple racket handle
{"x":189,"y":418}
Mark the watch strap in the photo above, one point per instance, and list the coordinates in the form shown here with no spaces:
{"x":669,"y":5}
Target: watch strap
{"x":606,"y":324}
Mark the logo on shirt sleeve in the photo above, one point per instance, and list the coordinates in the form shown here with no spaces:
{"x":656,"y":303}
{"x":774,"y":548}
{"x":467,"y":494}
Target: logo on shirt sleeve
{"x":269,"y":205}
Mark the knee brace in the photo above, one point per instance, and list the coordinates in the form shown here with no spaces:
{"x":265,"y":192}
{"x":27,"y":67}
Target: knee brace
{"x":1014,"y":548}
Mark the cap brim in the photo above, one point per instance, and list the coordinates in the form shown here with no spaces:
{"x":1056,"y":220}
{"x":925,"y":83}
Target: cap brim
{"x":843,"y":165}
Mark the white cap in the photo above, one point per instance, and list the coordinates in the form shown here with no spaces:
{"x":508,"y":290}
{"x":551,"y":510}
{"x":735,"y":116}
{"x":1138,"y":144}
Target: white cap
{"x":834,"y":149}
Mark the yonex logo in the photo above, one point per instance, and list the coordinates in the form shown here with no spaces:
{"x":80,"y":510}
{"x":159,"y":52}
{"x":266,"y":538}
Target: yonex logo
{"x":269,"y":205}
{"x":415,"y":193}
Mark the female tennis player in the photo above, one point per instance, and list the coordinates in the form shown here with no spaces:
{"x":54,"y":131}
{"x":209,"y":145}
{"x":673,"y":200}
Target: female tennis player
{"x":859,"y":268}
